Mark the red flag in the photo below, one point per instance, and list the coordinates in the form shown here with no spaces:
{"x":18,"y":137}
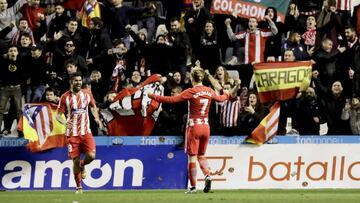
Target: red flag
{"x":267,"y":128}
{"x":133,"y":112}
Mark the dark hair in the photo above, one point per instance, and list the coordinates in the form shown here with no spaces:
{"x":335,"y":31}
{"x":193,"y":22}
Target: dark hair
{"x":76,"y":74}
{"x":49,"y":89}
{"x":173,"y":19}
{"x":258,"y":104}
{"x":69,"y":40}
{"x":350,"y":27}
{"x":70,"y":61}
{"x":97,"y":22}
{"x":275,"y":12}
{"x":292,"y":35}
{"x":331,"y":3}
{"x":118,"y":42}
{"x":213,"y":35}
{"x":86,"y":81}
{"x":58,"y":4}
{"x":226,"y":74}
{"x":160,"y":35}
{"x":25,"y":34}
{"x":11,"y":46}
{"x":72,"y":19}
{"x":23,"y":19}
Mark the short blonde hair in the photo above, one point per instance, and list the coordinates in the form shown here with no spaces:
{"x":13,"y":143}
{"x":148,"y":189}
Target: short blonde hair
{"x":197,"y":74}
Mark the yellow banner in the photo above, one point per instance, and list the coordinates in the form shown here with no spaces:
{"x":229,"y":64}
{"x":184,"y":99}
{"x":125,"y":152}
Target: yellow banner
{"x":271,"y":79}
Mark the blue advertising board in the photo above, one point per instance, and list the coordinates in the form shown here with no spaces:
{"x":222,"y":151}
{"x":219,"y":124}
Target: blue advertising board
{"x":115,"y":167}
{"x":174,"y":140}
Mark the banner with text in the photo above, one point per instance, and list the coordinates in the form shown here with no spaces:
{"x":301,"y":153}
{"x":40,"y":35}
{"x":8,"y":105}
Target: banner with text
{"x":234,"y":166}
{"x":222,"y":140}
{"x":116,"y":167}
{"x":249,"y":8}
{"x":281,"y":80}
{"x":284,"y":166}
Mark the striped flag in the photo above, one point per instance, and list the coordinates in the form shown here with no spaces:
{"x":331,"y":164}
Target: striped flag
{"x":277,"y":82}
{"x":267,"y":128}
{"x":132,"y":111}
{"x":229,"y":112}
{"x":281,"y":80}
{"x":88,"y":11}
{"x":343,"y":5}
{"x":41,"y":128}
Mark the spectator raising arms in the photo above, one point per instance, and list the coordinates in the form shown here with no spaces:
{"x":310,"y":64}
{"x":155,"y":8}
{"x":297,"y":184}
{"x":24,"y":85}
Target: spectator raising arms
{"x":255,"y":39}
{"x":8,"y":19}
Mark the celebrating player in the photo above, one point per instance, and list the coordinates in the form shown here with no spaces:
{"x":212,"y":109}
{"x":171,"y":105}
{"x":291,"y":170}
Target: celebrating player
{"x":75,"y":103}
{"x":197,"y":132}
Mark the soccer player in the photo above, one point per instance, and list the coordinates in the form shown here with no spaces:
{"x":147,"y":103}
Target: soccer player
{"x":197,"y":131}
{"x":75,"y":103}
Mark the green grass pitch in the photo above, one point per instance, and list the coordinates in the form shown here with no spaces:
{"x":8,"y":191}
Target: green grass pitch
{"x":175,"y":196}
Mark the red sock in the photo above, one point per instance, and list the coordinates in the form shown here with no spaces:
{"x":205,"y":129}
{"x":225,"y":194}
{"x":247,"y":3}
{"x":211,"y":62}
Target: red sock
{"x":204,"y":165}
{"x":192,"y":173}
{"x":77,"y":177}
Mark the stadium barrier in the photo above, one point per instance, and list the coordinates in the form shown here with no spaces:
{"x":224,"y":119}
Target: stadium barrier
{"x":287,"y":162}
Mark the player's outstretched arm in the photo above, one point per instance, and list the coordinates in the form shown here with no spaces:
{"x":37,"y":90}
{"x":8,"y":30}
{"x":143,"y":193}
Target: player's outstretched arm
{"x":183,"y":96}
{"x":220,"y":98}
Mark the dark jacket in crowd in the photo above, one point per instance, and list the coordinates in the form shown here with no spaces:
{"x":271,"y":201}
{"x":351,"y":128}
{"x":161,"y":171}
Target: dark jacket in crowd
{"x":209,"y":52}
{"x":9,"y":70}
{"x":356,"y":68}
{"x":99,"y":44}
{"x":56,"y":24}
{"x":117,"y":18}
{"x":307,"y":109}
{"x":326,"y":64}
{"x":38,"y":71}
{"x":273,"y":43}
{"x":248,"y":121}
{"x":60,"y":59}
{"x":299,"y":50}
{"x":157,"y":56}
{"x":195,"y":29}
{"x":181,"y":48}
{"x":333,"y":107}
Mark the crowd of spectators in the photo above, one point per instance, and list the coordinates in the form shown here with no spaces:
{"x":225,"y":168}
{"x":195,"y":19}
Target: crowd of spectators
{"x":116,"y":44}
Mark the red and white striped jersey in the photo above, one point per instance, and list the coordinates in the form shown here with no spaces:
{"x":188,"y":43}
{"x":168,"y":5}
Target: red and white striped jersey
{"x":77,"y":113}
{"x":343,"y":5}
{"x":229,"y":112}
{"x":254,"y":44}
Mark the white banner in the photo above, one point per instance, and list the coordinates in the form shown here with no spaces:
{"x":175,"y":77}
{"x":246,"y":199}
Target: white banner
{"x":283,"y":166}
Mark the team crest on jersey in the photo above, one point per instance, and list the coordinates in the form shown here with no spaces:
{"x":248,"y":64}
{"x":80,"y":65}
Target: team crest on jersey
{"x":12,"y":68}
